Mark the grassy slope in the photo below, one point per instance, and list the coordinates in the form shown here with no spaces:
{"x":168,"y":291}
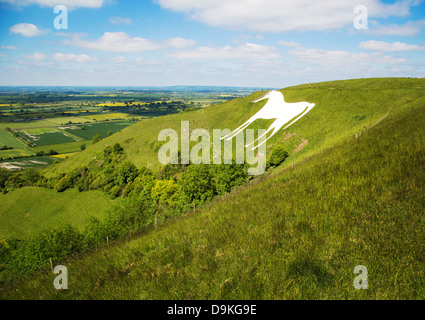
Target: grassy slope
{"x":342,"y":109}
{"x":29,"y":209}
{"x":296,"y":234}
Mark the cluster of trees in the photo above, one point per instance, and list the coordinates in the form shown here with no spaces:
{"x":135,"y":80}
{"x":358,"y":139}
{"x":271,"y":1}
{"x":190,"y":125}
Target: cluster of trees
{"x":51,"y":152}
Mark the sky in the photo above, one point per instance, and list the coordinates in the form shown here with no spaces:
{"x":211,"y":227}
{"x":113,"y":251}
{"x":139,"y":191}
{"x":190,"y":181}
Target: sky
{"x":243,"y":43}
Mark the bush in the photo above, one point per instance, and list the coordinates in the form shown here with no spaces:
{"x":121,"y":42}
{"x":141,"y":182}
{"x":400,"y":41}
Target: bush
{"x":278,"y":156}
{"x":97,"y":138}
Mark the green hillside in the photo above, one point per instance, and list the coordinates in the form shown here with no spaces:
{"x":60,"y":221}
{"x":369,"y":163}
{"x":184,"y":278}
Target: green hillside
{"x":295,"y":232}
{"x":29,"y":209}
{"x":343,"y":108}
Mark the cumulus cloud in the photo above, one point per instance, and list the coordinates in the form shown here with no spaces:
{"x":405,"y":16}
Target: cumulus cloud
{"x":283,"y":15}
{"x":122,"y":42}
{"x":410,"y":28}
{"x":179,"y":43}
{"x":389,"y":46}
{"x":36,"y":56}
{"x":339,"y":58}
{"x":70,"y":4}
{"x":66,"y":57}
{"x":248,"y":51}
{"x":26,"y":30}
{"x":120,"y":20}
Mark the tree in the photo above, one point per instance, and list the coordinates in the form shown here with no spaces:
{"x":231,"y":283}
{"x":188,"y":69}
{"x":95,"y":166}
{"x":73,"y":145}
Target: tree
{"x":278,"y":156}
{"x":197,"y":183}
{"x":97,"y":138}
{"x":117,"y":148}
{"x":83,"y":147}
{"x":125,"y":173}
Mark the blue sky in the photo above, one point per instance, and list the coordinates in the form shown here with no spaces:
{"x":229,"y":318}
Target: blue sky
{"x":264,"y":43}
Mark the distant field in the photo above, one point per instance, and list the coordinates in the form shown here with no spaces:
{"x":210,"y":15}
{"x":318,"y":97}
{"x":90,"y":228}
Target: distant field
{"x":23,"y":163}
{"x":15,"y":153}
{"x":63,"y":156}
{"x":7,"y":139}
{"x":63,"y":120}
{"x":107,"y":116}
{"x":26,"y":124}
{"x":63,"y":147}
{"x":90,"y":130}
{"x":46,"y":136}
{"x":30,"y":209}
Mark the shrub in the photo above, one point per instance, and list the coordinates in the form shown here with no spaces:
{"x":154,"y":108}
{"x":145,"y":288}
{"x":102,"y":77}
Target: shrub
{"x":278,"y":156}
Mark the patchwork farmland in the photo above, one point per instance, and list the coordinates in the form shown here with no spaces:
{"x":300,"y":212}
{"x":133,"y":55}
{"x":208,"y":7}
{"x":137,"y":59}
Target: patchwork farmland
{"x":56,"y":125}
{"x":64,"y":140}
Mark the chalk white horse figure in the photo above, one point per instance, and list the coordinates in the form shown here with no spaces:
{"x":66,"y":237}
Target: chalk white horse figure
{"x":275,"y":108}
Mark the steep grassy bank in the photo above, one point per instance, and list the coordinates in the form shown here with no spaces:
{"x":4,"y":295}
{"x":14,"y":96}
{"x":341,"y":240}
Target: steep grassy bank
{"x":297,"y":234}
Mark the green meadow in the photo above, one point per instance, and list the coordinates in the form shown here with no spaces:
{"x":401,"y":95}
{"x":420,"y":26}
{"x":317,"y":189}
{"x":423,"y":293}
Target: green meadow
{"x":30,"y":209}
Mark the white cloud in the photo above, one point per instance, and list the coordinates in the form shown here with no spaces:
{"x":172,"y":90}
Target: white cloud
{"x":179,"y":43}
{"x":283,"y":15}
{"x":65,"y":57}
{"x":36,"y":56}
{"x":8,"y":47}
{"x":410,"y":28}
{"x":119,"y":59}
{"x":70,"y":4}
{"x":248,"y":51}
{"x":331,"y":59}
{"x":122,"y":42}
{"x":26,"y":29}
{"x":115,"y":42}
{"x":120,"y":20}
{"x":389,"y":46}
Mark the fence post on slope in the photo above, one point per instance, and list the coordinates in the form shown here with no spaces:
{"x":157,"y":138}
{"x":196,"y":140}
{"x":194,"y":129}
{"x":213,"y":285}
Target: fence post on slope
{"x":51,"y":264}
{"x":107,"y":242}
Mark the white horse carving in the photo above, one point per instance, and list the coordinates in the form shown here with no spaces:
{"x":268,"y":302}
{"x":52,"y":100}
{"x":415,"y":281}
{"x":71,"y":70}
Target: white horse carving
{"x":275,"y":108}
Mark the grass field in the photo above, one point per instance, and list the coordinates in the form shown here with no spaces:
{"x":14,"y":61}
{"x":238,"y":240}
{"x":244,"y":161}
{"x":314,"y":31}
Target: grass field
{"x":30,"y":162}
{"x":46,"y":136}
{"x":26,"y":210}
{"x":26,"y":124}
{"x":90,"y":130}
{"x":13,"y":153}
{"x":63,"y":147}
{"x":7,"y":139}
{"x":294,"y":234}
{"x":107,"y":116}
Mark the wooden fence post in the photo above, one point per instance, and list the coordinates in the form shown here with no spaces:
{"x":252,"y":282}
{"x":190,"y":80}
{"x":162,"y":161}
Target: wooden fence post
{"x":107,"y":241}
{"x":51,"y":264}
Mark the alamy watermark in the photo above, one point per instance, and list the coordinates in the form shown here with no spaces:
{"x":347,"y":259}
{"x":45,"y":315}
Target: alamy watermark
{"x":61,"y":20}
{"x":211,"y":152}
{"x":360,"y":282}
{"x":361,"y":20}
{"x":61,"y":281}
